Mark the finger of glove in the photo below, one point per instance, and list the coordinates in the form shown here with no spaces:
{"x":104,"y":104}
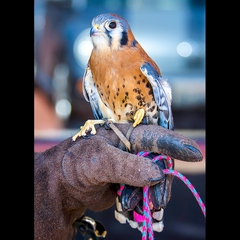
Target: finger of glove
{"x":99,"y":163}
{"x":157,"y":139}
{"x":130,"y":197}
{"x":160,"y":193}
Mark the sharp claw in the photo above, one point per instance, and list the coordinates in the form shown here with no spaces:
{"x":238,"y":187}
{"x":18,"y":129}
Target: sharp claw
{"x":138,"y":117}
{"x":87,"y":136}
{"x":106,"y":124}
{"x":88,"y":127}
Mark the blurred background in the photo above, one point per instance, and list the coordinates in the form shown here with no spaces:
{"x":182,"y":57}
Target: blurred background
{"x":173,"y":34}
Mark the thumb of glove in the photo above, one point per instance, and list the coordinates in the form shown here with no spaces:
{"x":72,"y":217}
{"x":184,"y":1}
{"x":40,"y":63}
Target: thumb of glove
{"x":104,"y":163}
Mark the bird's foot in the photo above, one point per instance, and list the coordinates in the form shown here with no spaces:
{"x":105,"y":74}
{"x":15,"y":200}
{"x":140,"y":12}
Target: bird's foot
{"x":88,"y":127}
{"x":138,"y":117}
{"x":107,"y":122}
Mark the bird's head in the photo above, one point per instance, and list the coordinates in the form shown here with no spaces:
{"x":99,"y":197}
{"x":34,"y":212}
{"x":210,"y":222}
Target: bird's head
{"x":110,"y":31}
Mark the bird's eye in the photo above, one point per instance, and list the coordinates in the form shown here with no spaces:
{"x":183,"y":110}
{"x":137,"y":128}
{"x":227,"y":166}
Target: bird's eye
{"x":112,"y":25}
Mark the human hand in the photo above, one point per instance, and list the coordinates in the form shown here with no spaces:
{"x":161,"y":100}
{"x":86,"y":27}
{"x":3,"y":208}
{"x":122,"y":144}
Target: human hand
{"x":74,"y":176}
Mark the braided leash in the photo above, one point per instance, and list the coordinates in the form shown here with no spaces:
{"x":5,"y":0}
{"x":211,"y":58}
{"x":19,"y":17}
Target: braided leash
{"x":146,"y":219}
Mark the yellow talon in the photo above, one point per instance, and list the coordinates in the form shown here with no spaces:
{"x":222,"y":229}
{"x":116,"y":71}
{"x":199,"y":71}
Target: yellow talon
{"x":138,"y":117}
{"x":89,"y":125}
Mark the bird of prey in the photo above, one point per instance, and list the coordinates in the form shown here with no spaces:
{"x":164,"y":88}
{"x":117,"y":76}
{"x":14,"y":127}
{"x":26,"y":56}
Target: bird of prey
{"x":121,"y":82}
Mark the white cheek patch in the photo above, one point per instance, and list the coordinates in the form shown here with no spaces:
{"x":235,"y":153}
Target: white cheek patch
{"x":108,"y":39}
{"x":100,"y":42}
{"x":116,"y":38}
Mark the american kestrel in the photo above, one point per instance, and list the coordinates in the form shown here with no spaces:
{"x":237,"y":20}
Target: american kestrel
{"x":121,"y":82}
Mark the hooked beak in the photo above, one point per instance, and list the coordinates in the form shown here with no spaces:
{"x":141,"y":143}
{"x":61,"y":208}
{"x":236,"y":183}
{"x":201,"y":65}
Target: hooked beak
{"x":95,"y":30}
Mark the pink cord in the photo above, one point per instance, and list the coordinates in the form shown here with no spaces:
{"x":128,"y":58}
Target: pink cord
{"x":189,"y":185}
{"x":146,"y":219}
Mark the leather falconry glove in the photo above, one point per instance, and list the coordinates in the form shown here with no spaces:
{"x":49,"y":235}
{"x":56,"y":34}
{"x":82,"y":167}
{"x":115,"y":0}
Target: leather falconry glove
{"x":74,"y":176}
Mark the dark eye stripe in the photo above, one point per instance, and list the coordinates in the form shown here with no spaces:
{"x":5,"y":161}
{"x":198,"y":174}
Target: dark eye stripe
{"x":109,"y":38}
{"x":124,"y":39}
